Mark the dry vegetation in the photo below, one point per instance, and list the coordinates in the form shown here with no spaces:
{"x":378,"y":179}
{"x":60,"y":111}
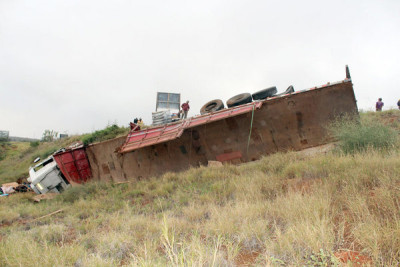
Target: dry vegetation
{"x":16,"y":157}
{"x":284,"y":210}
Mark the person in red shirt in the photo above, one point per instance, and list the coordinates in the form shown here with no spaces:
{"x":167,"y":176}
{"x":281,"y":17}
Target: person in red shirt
{"x":185,"y":108}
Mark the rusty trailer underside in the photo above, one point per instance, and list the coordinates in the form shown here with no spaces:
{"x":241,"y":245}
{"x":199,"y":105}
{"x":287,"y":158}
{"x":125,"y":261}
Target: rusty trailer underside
{"x":291,"y":122}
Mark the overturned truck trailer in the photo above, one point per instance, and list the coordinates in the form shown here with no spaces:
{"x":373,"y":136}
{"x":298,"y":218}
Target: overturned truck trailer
{"x":245,"y":133}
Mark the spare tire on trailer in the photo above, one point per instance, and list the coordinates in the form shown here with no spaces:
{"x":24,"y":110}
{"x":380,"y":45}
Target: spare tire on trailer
{"x":212,"y":106}
{"x":262,"y":94}
{"x":289,"y":90}
{"x":238,"y":100}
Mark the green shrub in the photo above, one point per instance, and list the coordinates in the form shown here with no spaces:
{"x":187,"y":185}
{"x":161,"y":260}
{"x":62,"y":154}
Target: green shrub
{"x":108,"y":133}
{"x":357,"y":136}
{"x":34,"y":143}
{"x":43,"y":154}
{"x":48,"y":152}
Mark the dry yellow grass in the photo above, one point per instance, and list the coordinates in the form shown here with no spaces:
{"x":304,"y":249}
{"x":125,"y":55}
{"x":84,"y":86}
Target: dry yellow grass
{"x":217,"y":216}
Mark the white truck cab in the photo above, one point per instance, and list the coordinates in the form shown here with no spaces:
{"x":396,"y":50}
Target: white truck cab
{"x":46,"y":177}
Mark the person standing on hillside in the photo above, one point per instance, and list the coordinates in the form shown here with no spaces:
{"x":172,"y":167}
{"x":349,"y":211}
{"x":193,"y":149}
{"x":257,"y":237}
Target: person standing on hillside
{"x":379,"y":105}
{"x":398,"y":103}
{"x":185,"y":108}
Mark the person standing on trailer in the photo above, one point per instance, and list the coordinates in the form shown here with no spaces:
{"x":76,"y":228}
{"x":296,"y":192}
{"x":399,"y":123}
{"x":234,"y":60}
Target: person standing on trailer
{"x":185,"y":108}
{"x":134,"y":125}
{"x":140,"y":123}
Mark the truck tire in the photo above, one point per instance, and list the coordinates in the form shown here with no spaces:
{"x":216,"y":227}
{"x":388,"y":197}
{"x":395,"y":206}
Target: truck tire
{"x":212,"y":106}
{"x":289,"y":90}
{"x":262,"y":94}
{"x":238,"y":100}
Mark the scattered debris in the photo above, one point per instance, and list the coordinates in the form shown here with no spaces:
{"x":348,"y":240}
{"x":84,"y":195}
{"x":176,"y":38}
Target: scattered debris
{"x":8,"y":188}
{"x":76,"y":144}
{"x":12,"y":184}
{"x":38,"y":198}
{"x":14,"y":187}
{"x":213,"y":163}
{"x":50,"y":214}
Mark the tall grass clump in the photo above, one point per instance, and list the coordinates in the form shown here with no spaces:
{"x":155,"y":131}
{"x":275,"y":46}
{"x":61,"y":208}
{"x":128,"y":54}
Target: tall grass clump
{"x":105,"y":134}
{"x":34,"y":143}
{"x":360,"y":135}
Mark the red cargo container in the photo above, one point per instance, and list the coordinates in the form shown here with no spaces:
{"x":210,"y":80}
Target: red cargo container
{"x":74,"y":164}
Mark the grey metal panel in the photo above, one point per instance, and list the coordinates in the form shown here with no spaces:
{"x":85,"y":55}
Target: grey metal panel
{"x":168,"y":101}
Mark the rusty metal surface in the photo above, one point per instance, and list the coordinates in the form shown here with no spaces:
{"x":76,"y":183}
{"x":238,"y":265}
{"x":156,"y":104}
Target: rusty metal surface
{"x":151,"y":136}
{"x":155,"y":135}
{"x":290,"y":122}
{"x":104,"y":160}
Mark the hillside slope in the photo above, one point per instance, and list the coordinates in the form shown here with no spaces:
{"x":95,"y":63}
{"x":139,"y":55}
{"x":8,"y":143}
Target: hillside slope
{"x":286,"y":209}
{"x":16,"y":157}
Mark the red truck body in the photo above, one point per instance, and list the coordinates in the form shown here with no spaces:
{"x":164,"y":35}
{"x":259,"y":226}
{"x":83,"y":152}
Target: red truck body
{"x":74,"y":165}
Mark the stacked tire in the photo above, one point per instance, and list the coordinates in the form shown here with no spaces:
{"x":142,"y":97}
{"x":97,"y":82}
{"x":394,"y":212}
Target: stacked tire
{"x":289,"y":90}
{"x":263,"y":94}
{"x":241,"y":99}
{"x":212,"y":106}
{"x":238,"y":100}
